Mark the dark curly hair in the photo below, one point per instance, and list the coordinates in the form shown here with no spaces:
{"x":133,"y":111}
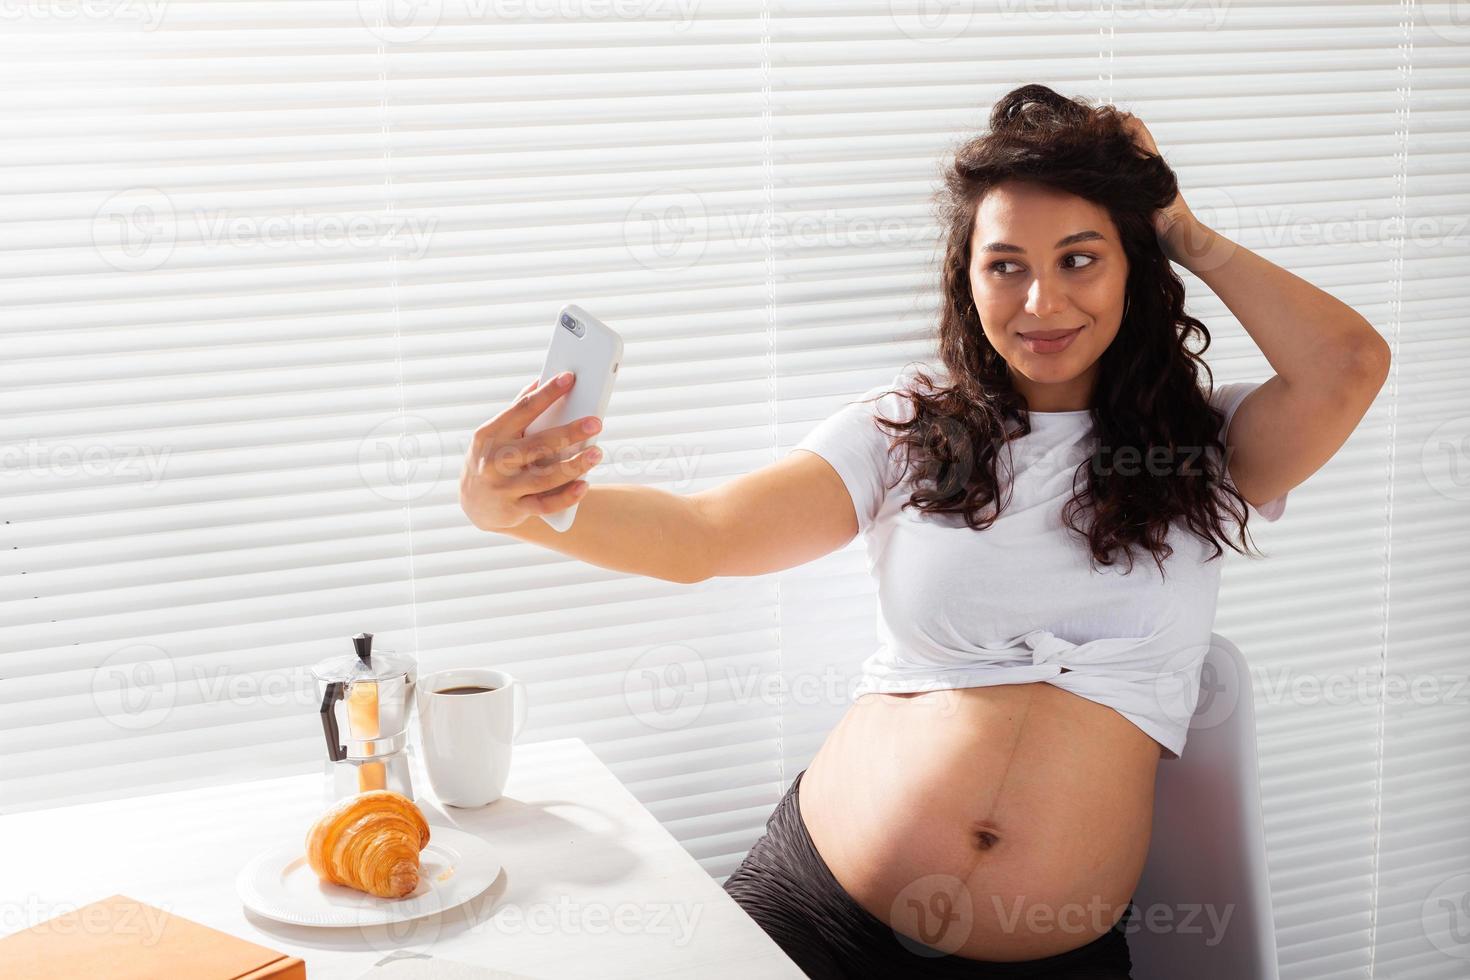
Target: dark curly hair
{"x":1148,"y":399}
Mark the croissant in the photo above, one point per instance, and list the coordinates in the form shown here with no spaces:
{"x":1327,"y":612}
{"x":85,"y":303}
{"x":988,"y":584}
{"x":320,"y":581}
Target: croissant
{"x":370,"y":842}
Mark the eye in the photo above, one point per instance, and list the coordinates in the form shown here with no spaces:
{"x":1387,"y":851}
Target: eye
{"x":995,"y":266}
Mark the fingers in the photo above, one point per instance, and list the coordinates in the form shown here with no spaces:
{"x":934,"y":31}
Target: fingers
{"x":540,"y":477}
{"x":512,"y":420}
{"x":548,"y":442}
{"x":521,"y":412}
{"x":552,"y":501}
{"x":1141,"y":136}
{"x":510,"y":457}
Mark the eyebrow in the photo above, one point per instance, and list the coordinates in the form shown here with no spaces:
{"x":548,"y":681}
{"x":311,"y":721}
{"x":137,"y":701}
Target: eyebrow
{"x":1081,"y":236}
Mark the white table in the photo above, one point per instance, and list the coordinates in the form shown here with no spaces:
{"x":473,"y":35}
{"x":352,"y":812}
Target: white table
{"x":593,"y":885}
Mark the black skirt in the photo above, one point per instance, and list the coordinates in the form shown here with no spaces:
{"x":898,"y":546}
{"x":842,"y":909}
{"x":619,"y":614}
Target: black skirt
{"x":786,"y":887}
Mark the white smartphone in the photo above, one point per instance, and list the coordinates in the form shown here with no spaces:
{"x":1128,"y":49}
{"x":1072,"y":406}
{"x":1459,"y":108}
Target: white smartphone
{"x":591,"y":350}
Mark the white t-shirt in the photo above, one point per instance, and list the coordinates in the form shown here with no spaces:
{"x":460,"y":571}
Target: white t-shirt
{"x":1019,"y":601}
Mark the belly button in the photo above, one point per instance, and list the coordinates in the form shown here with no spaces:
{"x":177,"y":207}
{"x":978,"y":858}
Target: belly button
{"x":985,"y":840}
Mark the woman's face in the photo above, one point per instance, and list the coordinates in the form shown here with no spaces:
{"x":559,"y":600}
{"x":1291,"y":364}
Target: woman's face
{"x":1046,"y":261}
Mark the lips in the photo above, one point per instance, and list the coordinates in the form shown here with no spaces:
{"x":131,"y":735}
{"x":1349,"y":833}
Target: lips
{"x":1049,"y":334}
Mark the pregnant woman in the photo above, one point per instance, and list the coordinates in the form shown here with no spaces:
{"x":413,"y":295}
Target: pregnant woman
{"x":1043,"y":518}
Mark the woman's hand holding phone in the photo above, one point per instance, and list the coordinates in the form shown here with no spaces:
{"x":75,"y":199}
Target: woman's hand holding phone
{"x":509,"y":476}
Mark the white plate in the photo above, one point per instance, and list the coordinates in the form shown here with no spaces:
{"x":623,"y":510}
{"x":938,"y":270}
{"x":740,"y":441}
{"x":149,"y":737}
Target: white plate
{"x":453,"y":868}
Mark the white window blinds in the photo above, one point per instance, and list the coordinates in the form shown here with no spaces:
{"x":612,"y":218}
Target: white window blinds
{"x":266,"y":264}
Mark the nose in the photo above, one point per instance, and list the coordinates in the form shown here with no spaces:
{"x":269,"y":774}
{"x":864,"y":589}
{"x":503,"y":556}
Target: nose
{"x":1046,"y":296}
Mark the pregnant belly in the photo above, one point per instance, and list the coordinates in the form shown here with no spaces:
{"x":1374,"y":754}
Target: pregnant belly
{"x":999,"y":823}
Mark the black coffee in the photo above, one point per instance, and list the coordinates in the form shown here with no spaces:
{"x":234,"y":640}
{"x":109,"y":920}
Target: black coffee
{"x":466,"y":690}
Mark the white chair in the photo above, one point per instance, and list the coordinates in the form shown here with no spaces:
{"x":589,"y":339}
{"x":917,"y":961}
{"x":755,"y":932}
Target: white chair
{"x":1208,"y":849}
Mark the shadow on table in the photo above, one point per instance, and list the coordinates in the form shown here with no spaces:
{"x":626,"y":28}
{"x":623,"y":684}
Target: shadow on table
{"x":509,"y":823}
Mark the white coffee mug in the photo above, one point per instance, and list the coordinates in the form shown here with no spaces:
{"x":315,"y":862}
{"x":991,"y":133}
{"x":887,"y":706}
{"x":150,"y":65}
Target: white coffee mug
{"x":466,"y":738}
